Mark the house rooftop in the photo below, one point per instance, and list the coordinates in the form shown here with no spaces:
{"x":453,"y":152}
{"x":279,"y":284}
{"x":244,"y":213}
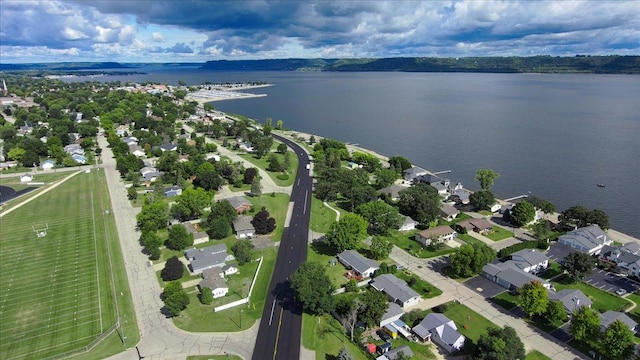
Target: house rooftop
{"x":511,"y":273}
{"x":211,"y":279}
{"x":529,"y":256}
{"x":393,"y":353}
{"x":394,"y":287}
{"x":436,"y":232}
{"x":430,"y":322}
{"x":238,"y":201}
{"x":608,"y":317}
{"x":357,"y":262}
{"x":242,"y":223}
{"x":589,"y":237}
{"x":449,"y":210}
{"x":570,"y":298}
{"x":215,"y":255}
{"x":393,"y":310}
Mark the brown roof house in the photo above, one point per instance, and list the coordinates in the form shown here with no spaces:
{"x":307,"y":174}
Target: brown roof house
{"x":438,"y":234}
{"x":240,"y":203}
{"x":477,"y":225}
{"x":243,"y":228}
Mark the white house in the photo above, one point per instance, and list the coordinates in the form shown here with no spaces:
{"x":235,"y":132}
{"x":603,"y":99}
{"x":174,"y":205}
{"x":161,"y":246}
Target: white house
{"x":590,"y":239}
{"x":448,"y":212}
{"x":362,"y":266}
{"x":510,"y":276}
{"x":438,"y":234}
{"x":211,"y":279}
{"x":243,"y":228}
{"x":408,"y":224}
{"x":26,"y":178}
{"x":396,"y":290}
{"x":530,"y":260}
{"x":47,"y":164}
{"x":441,"y":330}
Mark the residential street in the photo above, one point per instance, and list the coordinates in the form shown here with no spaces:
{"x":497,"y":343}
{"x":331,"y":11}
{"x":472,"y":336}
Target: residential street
{"x":160,"y":339}
{"x":532,"y":338}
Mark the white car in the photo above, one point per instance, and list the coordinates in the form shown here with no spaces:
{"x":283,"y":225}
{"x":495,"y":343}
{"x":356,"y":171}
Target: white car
{"x":621,"y":292}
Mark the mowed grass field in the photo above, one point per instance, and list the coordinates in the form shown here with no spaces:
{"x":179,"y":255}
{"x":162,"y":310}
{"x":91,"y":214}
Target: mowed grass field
{"x":57,"y":290}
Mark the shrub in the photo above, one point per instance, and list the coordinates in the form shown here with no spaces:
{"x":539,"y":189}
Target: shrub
{"x":282,"y":176}
{"x":206,"y":296}
{"x":173,"y":269}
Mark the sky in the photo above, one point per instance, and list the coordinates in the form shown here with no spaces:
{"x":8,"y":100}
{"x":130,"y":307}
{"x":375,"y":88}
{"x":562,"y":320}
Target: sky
{"x":202,"y":30}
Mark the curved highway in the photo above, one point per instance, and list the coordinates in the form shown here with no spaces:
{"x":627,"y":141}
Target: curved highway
{"x":281,"y":323}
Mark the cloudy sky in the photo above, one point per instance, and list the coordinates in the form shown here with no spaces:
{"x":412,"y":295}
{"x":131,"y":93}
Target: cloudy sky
{"x":200,"y":30}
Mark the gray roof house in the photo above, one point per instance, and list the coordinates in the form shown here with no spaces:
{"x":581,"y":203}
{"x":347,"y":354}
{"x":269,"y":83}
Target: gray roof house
{"x":396,"y":290}
{"x":408,"y":224}
{"x":393,"y":353}
{"x":199,"y":237}
{"x":572,"y":299}
{"x":393,"y":191}
{"x":243,"y":228}
{"x":626,"y":257}
{"x":414,"y":172}
{"x":211,"y":279}
{"x":362,"y":266}
{"x":393,"y":313}
{"x":608,"y":317}
{"x":172,"y":191}
{"x":150,"y":173}
{"x":460,"y":196}
{"x":530,"y":260}
{"x":441,"y":330}
{"x":240,"y":203}
{"x":449,"y":212}
{"x":590,"y":239}
{"x":207,"y":258}
{"x":509,"y":276}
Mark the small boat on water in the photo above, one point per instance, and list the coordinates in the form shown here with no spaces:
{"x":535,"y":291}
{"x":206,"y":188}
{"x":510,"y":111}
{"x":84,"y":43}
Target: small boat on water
{"x":600,"y":185}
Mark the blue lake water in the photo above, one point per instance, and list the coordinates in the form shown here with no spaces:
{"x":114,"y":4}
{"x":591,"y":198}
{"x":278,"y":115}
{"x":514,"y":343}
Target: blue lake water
{"x":552,"y":135}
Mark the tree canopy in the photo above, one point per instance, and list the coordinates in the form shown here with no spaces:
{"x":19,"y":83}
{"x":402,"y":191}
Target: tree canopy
{"x":380,"y":248}
{"x":578,"y":265}
{"x":381,"y":216}
{"x":579,"y":216}
{"x":374,"y":305}
{"x":179,"y":239}
{"x":153,"y":216}
{"x":263,"y":223}
{"x":482,"y":200}
{"x":243,"y":251}
{"x":486,"y":177}
{"x":500,"y":344}
{"x":522,"y":214}
{"x":347,"y":233}
{"x":175,"y":298}
{"x":173,"y":269}
{"x":618,"y":341}
{"x":313,"y":288}
{"x":585,"y":324}
{"x":534,"y":298}
{"x":469,"y":259}
{"x":399,"y":163}
{"x":190,"y":204}
{"x":420,"y":202}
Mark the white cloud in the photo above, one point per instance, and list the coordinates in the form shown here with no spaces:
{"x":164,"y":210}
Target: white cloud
{"x":73,"y":34}
{"x":157,"y":37}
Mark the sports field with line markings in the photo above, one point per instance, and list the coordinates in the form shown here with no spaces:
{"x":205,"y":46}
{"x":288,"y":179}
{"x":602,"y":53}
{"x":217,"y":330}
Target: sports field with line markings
{"x":57,"y":293}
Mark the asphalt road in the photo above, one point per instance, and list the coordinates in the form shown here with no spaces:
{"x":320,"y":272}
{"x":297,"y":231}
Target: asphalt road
{"x":281,"y":323}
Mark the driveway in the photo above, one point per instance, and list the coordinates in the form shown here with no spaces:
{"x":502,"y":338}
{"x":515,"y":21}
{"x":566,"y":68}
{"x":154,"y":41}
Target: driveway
{"x":562,"y":334}
{"x":557,"y":252}
{"x":484,"y":287}
{"x":611,"y":282}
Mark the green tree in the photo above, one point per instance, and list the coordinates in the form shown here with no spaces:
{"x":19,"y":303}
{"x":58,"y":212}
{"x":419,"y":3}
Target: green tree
{"x":482,"y":200}
{"x":153,"y":216}
{"x":274,"y":163}
{"x":243,"y":251}
{"x":194,"y":201}
{"x":207,"y":177}
{"x":206,"y":296}
{"x":500,"y":344}
{"x":486,"y":177}
{"x":313,"y":288}
{"x":17,"y":154}
{"x":555,"y":312}
{"x":347,"y":233}
{"x":381,"y":217}
{"x":150,"y":239}
{"x":545,"y":206}
{"x":380,"y":248}
{"x":256,"y":187}
{"x":282,"y":148}
{"x":173,"y":269}
{"x":374,"y":305}
{"x":585,"y":324}
{"x":386,"y":177}
{"x":279,"y":124}
{"x":579,"y":216}
{"x":578,"y":265}
{"x":175,"y":298}
{"x":522,"y":214}
{"x":263,"y":223}
{"x":534,"y":298}
{"x":132,"y":193}
{"x":219,"y":228}
{"x":618,"y":341}
{"x":420,"y":202}
{"x":399,"y":163}
{"x":249,"y":174}
{"x":469,"y":259}
{"x":179,"y":239}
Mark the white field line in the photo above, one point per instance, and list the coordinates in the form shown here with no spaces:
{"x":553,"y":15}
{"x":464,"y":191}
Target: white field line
{"x":25,"y":297}
{"x":10,"y":344}
{"x":40,"y":193}
{"x":95,"y":250}
{"x":35,"y":320}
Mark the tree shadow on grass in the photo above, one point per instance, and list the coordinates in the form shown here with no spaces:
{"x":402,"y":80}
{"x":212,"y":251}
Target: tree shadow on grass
{"x":322,"y":248}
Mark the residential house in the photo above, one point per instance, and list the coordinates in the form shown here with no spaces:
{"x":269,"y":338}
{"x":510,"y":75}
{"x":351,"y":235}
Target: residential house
{"x":396,"y":290}
{"x":440,"y":184}
{"x":608,"y":317}
{"x":172,"y":191}
{"x":394,"y":312}
{"x":571,"y":299}
{"x":211,"y":279}
{"x":408,"y":224}
{"x":438,"y":234}
{"x":243,"y":228}
{"x":130,"y":140}
{"x":393,"y":191}
{"x":240,"y":203}
{"x":448,"y":212}
{"x":215,"y":157}
{"x":625,"y":257}
{"x":168,"y":147}
{"x":199,"y":237}
{"x":360,"y":265}
{"x":510,"y":276}
{"x":150,"y":173}
{"x":80,"y":159}
{"x":72,"y":149}
{"x":414,"y":172}
{"x":441,"y":330}
{"x":229,"y":269}
{"x":530,"y":260}
{"x":25,"y":130}
{"x":47,"y":164}
{"x":478,"y":225}
{"x":136,"y":150}
{"x":590,"y":239}
{"x":246,"y":146}
{"x":460,"y":195}
{"x":495,"y":207}
{"x":26,"y":178}
{"x":207,"y":258}
{"x":393,"y":354}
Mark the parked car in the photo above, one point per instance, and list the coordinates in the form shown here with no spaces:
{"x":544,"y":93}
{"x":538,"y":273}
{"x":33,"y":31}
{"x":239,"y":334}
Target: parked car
{"x":621,"y":292}
{"x":383,"y":335}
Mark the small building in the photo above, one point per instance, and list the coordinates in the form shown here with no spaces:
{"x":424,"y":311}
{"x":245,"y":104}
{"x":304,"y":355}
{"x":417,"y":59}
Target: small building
{"x":396,"y":290}
{"x":150,"y":173}
{"x":394,"y":312}
{"x":243,"y":228}
{"x":240,"y":203}
{"x":384,"y":348}
{"x":448,"y":212}
{"x":408,"y":224}
{"x":571,"y":299}
{"x":136,"y":150}
{"x":211,"y":279}
{"x":393,"y":354}
{"x":370,"y":348}
{"x":438,"y":234}
{"x":168,"y":147}
{"x":392,"y":331}
{"x":26,"y":178}
{"x":510,"y":276}
{"x":460,"y":196}
{"x":590,"y":239}
{"x":80,"y":159}
{"x":229,"y":269}
{"x":48,"y":164}
{"x":172,"y":191}
{"x":207,"y":258}
{"x":199,"y":237}
{"x":360,"y":265}
{"x":530,"y":260}
{"x":414,"y":172}
{"x":608,"y":317}
{"x":441,"y":330}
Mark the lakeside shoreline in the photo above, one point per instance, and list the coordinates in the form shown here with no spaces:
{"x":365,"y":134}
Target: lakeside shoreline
{"x":617,"y":235}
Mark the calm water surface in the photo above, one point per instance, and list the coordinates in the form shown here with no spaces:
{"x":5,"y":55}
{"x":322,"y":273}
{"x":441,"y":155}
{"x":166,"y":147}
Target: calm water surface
{"x":554,"y":136}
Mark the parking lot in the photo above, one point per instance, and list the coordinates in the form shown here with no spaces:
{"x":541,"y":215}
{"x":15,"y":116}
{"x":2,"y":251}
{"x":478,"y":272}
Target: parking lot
{"x":611,"y":282}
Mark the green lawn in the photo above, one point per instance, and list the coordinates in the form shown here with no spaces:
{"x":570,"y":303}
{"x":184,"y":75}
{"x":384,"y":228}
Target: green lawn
{"x":470,"y":324}
{"x":469,"y":239}
{"x":506,"y":300}
{"x":263,"y":163}
{"x":321,"y":216}
{"x":70,"y":297}
{"x":497,"y":233}
{"x":602,"y":300}
{"x":554,"y":270}
{"x":421,"y":287}
{"x":325,"y":335}
{"x":321,"y":254}
{"x":405,"y":241}
{"x":277,"y":205}
{"x":201,"y":318}
{"x":536,"y":355}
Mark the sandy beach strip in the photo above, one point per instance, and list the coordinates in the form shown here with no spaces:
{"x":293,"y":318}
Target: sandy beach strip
{"x":205,"y":96}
